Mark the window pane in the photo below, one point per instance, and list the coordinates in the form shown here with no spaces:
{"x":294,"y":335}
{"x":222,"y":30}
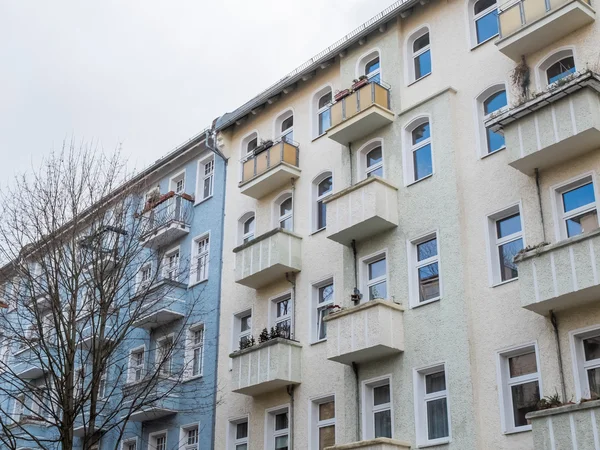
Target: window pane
{"x":246,"y":323}
{"x":378,"y":291}
{"x":372,"y":66}
{"x":421,"y":133}
{"x":283,"y":308}
{"x":429,"y":282}
{"x":326,"y":437}
{"x":383,"y":424}
{"x":435,"y":382}
{"x":378,"y":172}
{"x":594,"y":380}
{"x":324,"y":121}
{"x":506,"y":253}
{"x":525,"y":398}
{"x":578,"y":197}
{"x":327,"y":411}
{"x":374,"y":157}
{"x":286,"y":224}
{"x":241,"y":447}
{"x":326,"y":293}
{"x":591,"y":348}
{"x":422,"y":64}
{"x":285,"y":207}
{"x":281,"y":421}
{"x":241,"y":430}
{"x":323,"y":312}
{"x":487,"y":26}
{"x":249,"y":225}
{"x":321,"y":215}
{"x":509,"y":225}
{"x":421,"y":42}
{"x":325,"y":186}
{"x":377,"y":269}
{"x":252,"y":145}
{"x":495,"y":141}
{"x":323,"y":101}
{"x":422,"y":162}
{"x":522,"y":364}
{"x":582,"y":223}
{"x":437,"y":419}
{"x":381,"y":395}
{"x":560,"y":69}
{"x":482,"y":5}
{"x":287,"y":123}
{"x":427,"y":249}
{"x":495,"y":102}
{"x":281,"y":443}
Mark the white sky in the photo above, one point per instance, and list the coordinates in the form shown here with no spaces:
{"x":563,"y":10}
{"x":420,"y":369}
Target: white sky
{"x":147,"y":74}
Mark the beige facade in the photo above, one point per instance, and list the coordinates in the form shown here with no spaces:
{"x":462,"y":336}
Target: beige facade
{"x":475,"y":323}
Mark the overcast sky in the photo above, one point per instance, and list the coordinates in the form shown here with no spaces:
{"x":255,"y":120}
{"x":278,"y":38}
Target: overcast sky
{"x":147,"y":74}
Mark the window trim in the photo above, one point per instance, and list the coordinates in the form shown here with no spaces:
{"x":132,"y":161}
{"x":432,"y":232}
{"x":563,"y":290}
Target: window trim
{"x":127,"y":441}
{"x":270,"y":414}
{"x":420,"y":405}
{"x":183,"y":429}
{"x":367,"y":57}
{"x":548,"y":60}
{"x":174,"y":179}
{"x":286,"y":295}
{"x":361,"y":154}
{"x":364,"y":273}
{"x":131,"y":369}
{"x":237,"y":335}
{"x":494,"y":275}
{"x":576,"y":337}
{"x":277,"y":217}
{"x":201,"y":176}
{"x":414,"y":265}
{"x":410,"y":54}
{"x":241,"y":222}
{"x":473,"y":18}
{"x":165,"y":267}
{"x":195,"y":256}
{"x":503,"y":388}
{"x":231,"y":438}
{"x":316,"y":198}
{"x":556,"y":191}
{"x":316,"y":96}
{"x":157,"y":353}
{"x":314,"y":424}
{"x":152,"y":438}
{"x":190,"y":347}
{"x":409,"y":149}
{"x":315,"y":308}
{"x":278,"y":122}
{"x":481,"y":117}
{"x":367,"y":412}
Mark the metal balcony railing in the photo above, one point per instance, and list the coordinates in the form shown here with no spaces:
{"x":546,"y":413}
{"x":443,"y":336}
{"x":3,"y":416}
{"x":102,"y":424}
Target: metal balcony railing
{"x":171,"y":208}
{"x":372,"y":93}
{"x":269,"y":155}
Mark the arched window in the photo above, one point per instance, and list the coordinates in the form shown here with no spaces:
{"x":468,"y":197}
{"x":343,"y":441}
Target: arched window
{"x":370,"y":159}
{"x":485,"y":20}
{"x":370,"y":65}
{"x":420,"y":51}
{"x":492,"y":100}
{"x":321,"y":111}
{"x":286,"y":214}
{"x":247,"y":227}
{"x":284,"y":126}
{"x":557,"y":66}
{"x":375,"y":162}
{"x":418,"y":157}
{"x":322,"y":188}
{"x":249,"y":143}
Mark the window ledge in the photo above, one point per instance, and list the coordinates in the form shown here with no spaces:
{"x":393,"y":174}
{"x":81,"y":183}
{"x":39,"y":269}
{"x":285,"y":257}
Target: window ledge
{"x":418,"y":79}
{"x":433,"y":300}
{"x":502,"y":283}
{"x":203,"y":200}
{"x":318,"y":342}
{"x":419,"y":180}
{"x":484,"y":42}
{"x":518,"y":430}
{"x":195,"y":283}
{"x":319,"y":136}
{"x":435,"y":443}
{"x":194,"y":378}
{"x":318,"y":231}
{"x":494,"y":152}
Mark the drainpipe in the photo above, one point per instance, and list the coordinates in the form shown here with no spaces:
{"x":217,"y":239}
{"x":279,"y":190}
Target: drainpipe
{"x":218,"y":316}
{"x":293,"y":202}
{"x":290,"y":391}
{"x":292,"y":281}
{"x":563,"y":389}
{"x":351,"y":165}
{"x":356,"y":295}
{"x":358,"y":430}
{"x":539,"y":195}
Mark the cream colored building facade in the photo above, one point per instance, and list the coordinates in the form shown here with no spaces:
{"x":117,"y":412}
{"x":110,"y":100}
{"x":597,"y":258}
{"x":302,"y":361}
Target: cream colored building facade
{"x":452,"y":350}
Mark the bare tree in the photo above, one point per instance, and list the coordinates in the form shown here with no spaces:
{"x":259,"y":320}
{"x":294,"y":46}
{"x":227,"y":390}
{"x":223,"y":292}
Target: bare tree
{"x":73,"y":236}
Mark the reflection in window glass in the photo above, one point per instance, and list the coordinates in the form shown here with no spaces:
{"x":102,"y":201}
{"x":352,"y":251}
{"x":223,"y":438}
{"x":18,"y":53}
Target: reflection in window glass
{"x":579,"y":209}
{"x":375,"y":162}
{"x":422,"y":56}
{"x":486,"y":20}
{"x":495,"y":141}
{"x":560,"y":69}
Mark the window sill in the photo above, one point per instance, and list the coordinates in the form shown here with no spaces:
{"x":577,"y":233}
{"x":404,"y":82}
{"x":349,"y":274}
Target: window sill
{"x":433,"y":300}
{"x":419,"y":180}
{"x":318,"y":342}
{"x":435,"y":443}
{"x":194,"y":378}
{"x":319,"y":136}
{"x":502,"y":283}
{"x":203,"y":200}
{"x":524,"y":429}
{"x":318,"y":231}
{"x":196,"y":283}
{"x":493,"y":153}
{"x":418,"y":79}
{"x":484,"y":42}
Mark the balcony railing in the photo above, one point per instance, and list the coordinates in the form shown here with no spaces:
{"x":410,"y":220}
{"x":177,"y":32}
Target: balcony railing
{"x":361,"y":112}
{"x":529,"y":25}
{"x":166,"y":220}
{"x":156,"y":399}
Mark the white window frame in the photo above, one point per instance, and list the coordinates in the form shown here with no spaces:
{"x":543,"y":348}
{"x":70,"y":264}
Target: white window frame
{"x":165,"y":371}
{"x":232,"y":440}
{"x":274,"y":321}
{"x":244,"y":153}
{"x":282,"y":117}
{"x":362,"y":170}
{"x":318,"y":307}
{"x":318,"y":199}
{"x":364,"y":274}
{"x":128,"y":441}
{"x":414,"y":266}
{"x":184,"y":436}
{"x":152,"y":438}
{"x":366,"y":58}
{"x":250,"y":235}
{"x":473,"y":18}
{"x":174,"y":181}
{"x":171,"y":272}
{"x":421,"y":400}
{"x":143,"y":283}
{"x":18,"y":407}
{"x":277,"y":216}
{"x":481,"y":117}
{"x":316,"y":98}
{"x":201,"y":276}
{"x":315,"y":424}
{"x":192,"y":346}
{"x":411,"y":55}
{"x":561,"y":217}
{"x":549,"y":60}
{"x":410,"y":149}
{"x":202,"y":175}
{"x":238,"y":334}
{"x":102,"y":385}
{"x":369,"y":410}
{"x":270,"y":433}
{"x":580,"y":365}
{"x":495,"y":276}
{"x":504,"y":384}
{"x":133,"y":368}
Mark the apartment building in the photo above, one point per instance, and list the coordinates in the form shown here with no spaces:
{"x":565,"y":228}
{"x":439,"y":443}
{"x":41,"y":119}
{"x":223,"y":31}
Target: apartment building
{"x":174,"y":293}
{"x":377,"y":197}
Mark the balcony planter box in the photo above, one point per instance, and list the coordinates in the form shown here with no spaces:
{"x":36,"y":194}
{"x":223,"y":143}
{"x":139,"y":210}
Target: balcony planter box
{"x":360,"y":83}
{"x":340,"y":95}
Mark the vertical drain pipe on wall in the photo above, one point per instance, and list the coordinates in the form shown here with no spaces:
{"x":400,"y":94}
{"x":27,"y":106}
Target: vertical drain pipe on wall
{"x":290,"y":388}
{"x":561,"y":372}
{"x":355,"y":370}
{"x":351,"y":165}
{"x":539,"y":196}
{"x":290,"y":391}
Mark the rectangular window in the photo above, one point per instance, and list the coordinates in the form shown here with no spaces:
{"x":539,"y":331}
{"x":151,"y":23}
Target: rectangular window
{"x":577,"y":206}
{"x":178,"y":183}
{"x":201,"y":257}
{"x":158,"y":441}
{"x":242,"y":329}
{"x":282,"y":319}
{"x":171,"y":265}
{"x":164,"y":355}
{"x":419,"y":156}
{"x":136,"y":365}
{"x":586,"y":352}
{"x":18,"y":407}
{"x":238,"y":435}
{"x":323,"y":301}
{"x":207,"y":169}
{"x":506,"y":237}
{"x":129,"y":444}
{"x":323,"y":423}
{"x":279,"y":425}
{"x":425,"y":283}
{"x":520,"y":387}
{"x":102,"y":385}
{"x":191,"y":438}
{"x":377,"y":403}
{"x":145,"y":277}
{"x":195,"y":351}
{"x":376,"y":270}
{"x":431,"y":404}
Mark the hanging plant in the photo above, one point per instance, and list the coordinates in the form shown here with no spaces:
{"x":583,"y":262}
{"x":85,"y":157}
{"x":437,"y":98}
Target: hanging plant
{"x":521,"y":78}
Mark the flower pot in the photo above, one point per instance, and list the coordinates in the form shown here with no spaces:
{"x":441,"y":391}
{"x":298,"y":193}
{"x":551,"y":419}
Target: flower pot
{"x":340,"y":95}
{"x":359,"y":84}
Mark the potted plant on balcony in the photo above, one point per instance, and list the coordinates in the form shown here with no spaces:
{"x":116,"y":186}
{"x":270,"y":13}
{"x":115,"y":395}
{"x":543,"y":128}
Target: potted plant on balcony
{"x":360,"y":82}
{"x":341,"y":94}
{"x":264,"y":145}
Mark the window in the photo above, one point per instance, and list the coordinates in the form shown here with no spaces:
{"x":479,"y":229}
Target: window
{"x":577,"y":207}
{"x":102,"y":385}
{"x":323,"y":423}
{"x":495,"y":102}
{"x":248,"y":228}
{"x":323,"y":301}
{"x":278,"y":429}
{"x":506,"y":236}
{"x":4,"y":351}
{"x":136,"y":365}
{"x":431,"y":404}
{"x":249,"y":143}
{"x":191,"y":438}
{"x":586,"y":353}
{"x":195,"y":350}
{"x":485,"y":16}
{"x":324,"y":112}
{"x":145,"y":277}
{"x":376,"y":271}
{"x":520,"y":389}
{"x":164,"y":350}
{"x":323,"y":187}
{"x":282,"y":316}
{"x":242,"y":329}
{"x":18,"y":407}
{"x":375,"y":162}
{"x":377,"y":404}
{"x":425,"y":284}
{"x":206,"y":175}
{"x":284,"y":126}
{"x":284,"y":212}
{"x":555,"y":67}
{"x":373,"y":70}
{"x":239,"y":431}
{"x":178,"y":183}
{"x":370,"y":159}
{"x":129,"y":444}
{"x":420,"y":161}
{"x":158,"y":441}
{"x":201,"y":253}
{"x":420,"y":49}
{"x":171,"y":265}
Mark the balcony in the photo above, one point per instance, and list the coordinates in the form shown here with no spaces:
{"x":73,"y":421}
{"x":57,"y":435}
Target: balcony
{"x":268,"y":258}
{"x":166,"y":220}
{"x":371,"y":331}
{"x":362,"y":211}
{"x":373,"y":444}
{"x":272,"y":166}
{"x":157,"y":401}
{"x":28,"y":369}
{"x":161,"y":304}
{"x":559,"y":125}
{"x":530,"y":25}
{"x":562,"y":275}
{"x":568,"y":427}
{"x":82,"y":421}
{"x":266,"y":367}
{"x":362,"y":112}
